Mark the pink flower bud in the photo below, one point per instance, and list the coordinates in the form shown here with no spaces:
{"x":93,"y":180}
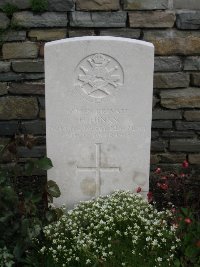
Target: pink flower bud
{"x":185,"y":164}
{"x":188,"y":220}
{"x":139,"y":189}
{"x":158,"y":170}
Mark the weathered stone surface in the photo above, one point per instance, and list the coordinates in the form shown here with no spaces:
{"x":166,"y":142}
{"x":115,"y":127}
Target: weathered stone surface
{"x":7,"y":156}
{"x":188,"y":20}
{"x":21,"y":4}
{"x":28,"y":66}
{"x":192,"y":115}
{"x":35,"y":127}
{"x":48,"y":34}
{"x":152,"y":19}
{"x":35,"y":152}
{"x":167,"y":64}
{"x":33,"y":76}
{"x":195,"y":79}
{"x":42,"y":102}
{"x":161,"y":124}
{"x":181,"y":98}
{"x":8,"y":128}
{"x":182,"y":125}
{"x":155,"y":101}
{"x":4,"y":21}
{"x":3,"y":89}
{"x":106,"y":5}
{"x":186,"y":4}
{"x":124,"y":58}
{"x":192,"y":63}
{"x":154,"y":135}
{"x":42,"y":114}
{"x":20,"y":50}
{"x":185,"y":145}
{"x":178,"y":134}
{"x":4,"y":66}
{"x":171,"y":157}
{"x":194,"y":159}
{"x":171,"y":80}
{"x":127,"y":33}
{"x":154,"y":159}
{"x":27,"y":19}
{"x":158,"y":146}
{"x":26,"y":88}
{"x":12,"y":108}
{"x":10,"y":76}
{"x":80,"y":33}
{"x":98,"y":19}
{"x":172,"y":42}
{"x":145,"y":4}
{"x":13,"y":35}
{"x":61,"y":5}
{"x":167,"y":115}
{"x":41,"y":50}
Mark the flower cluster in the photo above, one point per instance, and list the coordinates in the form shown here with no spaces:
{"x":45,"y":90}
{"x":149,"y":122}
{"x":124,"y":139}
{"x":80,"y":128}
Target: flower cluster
{"x":121,"y":229}
{"x":6,"y":259}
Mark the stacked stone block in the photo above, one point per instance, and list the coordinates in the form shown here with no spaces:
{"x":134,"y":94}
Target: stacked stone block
{"x":171,"y":25}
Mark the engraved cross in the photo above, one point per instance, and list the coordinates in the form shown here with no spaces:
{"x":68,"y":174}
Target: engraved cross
{"x":98,"y":169}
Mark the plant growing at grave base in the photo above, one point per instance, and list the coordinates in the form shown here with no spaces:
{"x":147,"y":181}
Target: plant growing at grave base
{"x":188,"y":229}
{"x":121,"y":229}
{"x":20,"y":218}
{"x":178,"y":188}
{"x":181,"y":191}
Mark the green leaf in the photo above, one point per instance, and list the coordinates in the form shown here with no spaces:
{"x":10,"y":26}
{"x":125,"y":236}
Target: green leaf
{"x":18,"y":251}
{"x":44,"y":164}
{"x":190,"y":251}
{"x":29,"y":167}
{"x":50,"y":216}
{"x":177,"y":263}
{"x":53,"y":189}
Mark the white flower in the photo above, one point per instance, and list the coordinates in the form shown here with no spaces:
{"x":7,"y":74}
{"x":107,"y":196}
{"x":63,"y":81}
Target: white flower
{"x":88,"y":261}
{"x":155,"y":242}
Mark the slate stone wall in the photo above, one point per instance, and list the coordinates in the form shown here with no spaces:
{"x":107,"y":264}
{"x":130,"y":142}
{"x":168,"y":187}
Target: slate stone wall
{"x":171,"y":25}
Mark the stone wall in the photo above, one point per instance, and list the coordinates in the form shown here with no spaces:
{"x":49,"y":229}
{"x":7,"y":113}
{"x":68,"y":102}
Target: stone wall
{"x":171,"y":25}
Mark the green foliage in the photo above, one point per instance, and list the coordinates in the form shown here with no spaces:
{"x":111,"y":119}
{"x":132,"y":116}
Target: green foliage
{"x":20,"y":218}
{"x":6,"y":259}
{"x":121,"y":229}
{"x":9,"y":9}
{"x":39,"y":5}
{"x":189,"y":233}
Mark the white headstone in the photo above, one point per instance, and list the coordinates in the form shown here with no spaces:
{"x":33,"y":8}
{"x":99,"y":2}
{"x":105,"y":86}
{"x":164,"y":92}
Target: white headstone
{"x":98,"y":115}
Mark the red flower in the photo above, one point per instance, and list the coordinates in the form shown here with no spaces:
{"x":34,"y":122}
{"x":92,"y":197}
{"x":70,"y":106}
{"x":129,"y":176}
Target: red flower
{"x":150,"y":196}
{"x":139,"y":189}
{"x":164,"y":186}
{"x":185,"y":164}
{"x":188,"y":220}
{"x":198,"y":244}
{"x":158,"y":170}
{"x":182,"y":175}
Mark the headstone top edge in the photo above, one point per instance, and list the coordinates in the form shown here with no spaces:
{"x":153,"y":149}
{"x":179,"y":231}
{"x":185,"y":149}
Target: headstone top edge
{"x":99,"y":38}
